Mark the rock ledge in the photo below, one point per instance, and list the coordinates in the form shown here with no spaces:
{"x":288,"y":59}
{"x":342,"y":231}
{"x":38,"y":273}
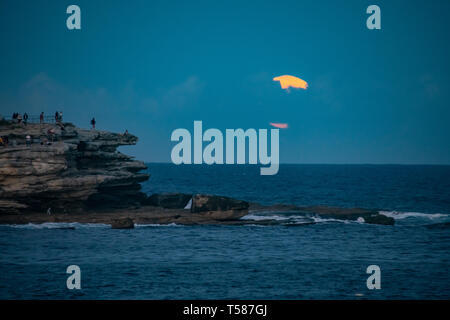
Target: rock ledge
{"x":64,"y":168}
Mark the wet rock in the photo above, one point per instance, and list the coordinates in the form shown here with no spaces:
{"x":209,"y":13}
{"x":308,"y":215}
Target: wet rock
{"x":168,"y":200}
{"x":339,"y":213}
{"x":379,"y":219}
{"x":123,"y":223}
{"x":353,"y":214}
{"x":369,"y":216}
{"x":205,"y":203}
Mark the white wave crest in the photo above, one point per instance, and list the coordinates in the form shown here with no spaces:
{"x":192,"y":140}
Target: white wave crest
{"x":59,"y":225}
{"x":293,"y":218}
{"x":398,"y":215}
{"x":138,"y":225}
{"x":268,"y":217}
{"x":318,"y":219}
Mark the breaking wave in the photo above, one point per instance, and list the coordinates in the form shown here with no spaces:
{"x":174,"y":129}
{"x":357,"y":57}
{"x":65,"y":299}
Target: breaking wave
{"x":258,"y":217}
{"x":291,"y":218}
{"x":398,"y":215}
{"x":77,"y":225}
{"x":288,"y":218}
{"x":150,"y":225}
{"x":58,"y":225}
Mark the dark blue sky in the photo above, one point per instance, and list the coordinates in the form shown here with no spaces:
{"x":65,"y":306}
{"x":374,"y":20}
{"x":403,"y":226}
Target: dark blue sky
{"x":374,"y":96}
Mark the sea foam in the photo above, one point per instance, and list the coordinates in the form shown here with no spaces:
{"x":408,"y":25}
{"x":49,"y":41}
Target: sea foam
{"x":398,"y":215}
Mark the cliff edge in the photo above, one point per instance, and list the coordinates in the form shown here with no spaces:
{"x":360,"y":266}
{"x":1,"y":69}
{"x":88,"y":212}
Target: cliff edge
{"x":62,"y":167}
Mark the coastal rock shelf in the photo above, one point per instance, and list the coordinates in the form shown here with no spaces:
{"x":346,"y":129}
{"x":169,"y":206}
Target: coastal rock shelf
{"x":60,"y":173}
{"x":64,"y":168}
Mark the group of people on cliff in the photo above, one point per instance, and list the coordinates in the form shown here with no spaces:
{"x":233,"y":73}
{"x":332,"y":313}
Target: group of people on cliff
{"x":24,"y":119}
{"x":51,"y":134}
{"x":19,"y":118}
{"x":58,"y":118}
{"x":43,"y":140}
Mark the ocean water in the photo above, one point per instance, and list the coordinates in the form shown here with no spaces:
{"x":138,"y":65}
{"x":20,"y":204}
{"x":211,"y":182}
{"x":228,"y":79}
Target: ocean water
{"x":326,"y":260}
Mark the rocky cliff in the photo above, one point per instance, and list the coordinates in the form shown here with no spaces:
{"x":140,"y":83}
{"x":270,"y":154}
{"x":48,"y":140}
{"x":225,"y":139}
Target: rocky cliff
{"x":66,"y":168}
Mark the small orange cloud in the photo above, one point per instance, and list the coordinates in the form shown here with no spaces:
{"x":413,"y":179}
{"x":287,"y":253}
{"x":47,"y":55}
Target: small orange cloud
{"x":287,"y":82}
{"x":279,"y":125}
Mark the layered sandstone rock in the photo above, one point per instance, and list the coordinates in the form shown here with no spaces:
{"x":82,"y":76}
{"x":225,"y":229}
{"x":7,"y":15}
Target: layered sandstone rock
{"x":66,"y":168}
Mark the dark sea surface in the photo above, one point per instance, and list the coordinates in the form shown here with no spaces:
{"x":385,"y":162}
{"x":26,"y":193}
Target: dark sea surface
{"x":326,"y":260}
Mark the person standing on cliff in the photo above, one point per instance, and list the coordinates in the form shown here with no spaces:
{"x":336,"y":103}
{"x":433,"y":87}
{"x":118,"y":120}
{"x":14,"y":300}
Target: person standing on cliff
{"x":93,"y":123}
{"x":41,"y":117}
{"x":51,"y":133}
{"x":28,"y":141}
{"x":4,"y":141}
{"x":25,"y":118}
